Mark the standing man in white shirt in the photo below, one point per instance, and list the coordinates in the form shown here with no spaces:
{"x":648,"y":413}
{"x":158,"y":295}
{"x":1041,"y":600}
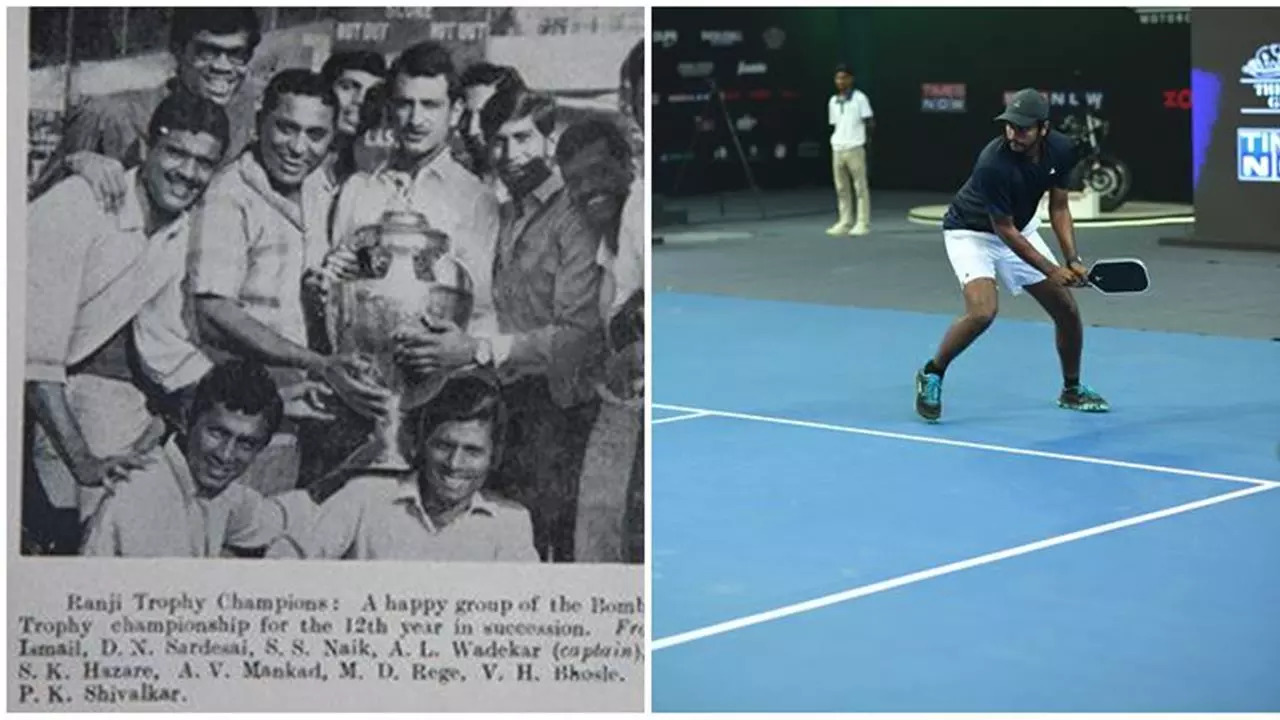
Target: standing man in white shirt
{"x":852,"y":121}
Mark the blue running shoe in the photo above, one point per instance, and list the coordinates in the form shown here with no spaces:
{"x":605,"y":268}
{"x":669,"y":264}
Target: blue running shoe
{"x":928,"y":395}
{"x":1082,"y":398}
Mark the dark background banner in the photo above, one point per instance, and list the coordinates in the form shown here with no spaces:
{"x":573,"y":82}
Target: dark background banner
{"x":776,"y":66}
{"x":1236,"y":201}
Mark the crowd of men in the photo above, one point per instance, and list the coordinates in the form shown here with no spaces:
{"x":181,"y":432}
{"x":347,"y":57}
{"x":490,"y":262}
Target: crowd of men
{"x":183,"y":395}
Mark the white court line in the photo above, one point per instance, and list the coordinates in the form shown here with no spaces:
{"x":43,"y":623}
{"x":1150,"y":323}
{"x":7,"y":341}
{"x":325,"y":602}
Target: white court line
{"x":677,"y":418}
{"x":749,"y":620}
{"x":975,"y":445}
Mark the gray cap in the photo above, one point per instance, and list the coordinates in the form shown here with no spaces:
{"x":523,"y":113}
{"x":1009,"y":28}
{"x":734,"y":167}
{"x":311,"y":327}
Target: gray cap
{"x":1026,"y":108}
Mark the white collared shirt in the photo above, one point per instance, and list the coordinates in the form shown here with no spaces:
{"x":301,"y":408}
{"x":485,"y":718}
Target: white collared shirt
{"x":89,"y":273}
{"x":249,"y":244}
{"x":848,"y":120}
{"x":382,"y":518}
{"x":158,"y":512}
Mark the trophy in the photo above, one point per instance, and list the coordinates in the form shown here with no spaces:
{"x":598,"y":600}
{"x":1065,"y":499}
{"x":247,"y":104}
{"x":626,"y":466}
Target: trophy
{"x":408,"y":282}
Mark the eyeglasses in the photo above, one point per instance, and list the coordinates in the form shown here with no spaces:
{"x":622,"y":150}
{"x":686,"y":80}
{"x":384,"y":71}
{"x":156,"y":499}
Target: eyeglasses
{"x":206,"y":53}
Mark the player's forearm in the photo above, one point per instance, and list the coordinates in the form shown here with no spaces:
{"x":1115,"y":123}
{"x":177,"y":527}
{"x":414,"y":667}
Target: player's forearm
{"x":48,"y":403}
{"x":1063,"y":227}
{"x":232,"y":320}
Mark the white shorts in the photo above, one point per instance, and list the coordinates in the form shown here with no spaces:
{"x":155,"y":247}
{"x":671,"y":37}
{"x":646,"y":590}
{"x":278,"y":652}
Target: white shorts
{"x":976,"y":255}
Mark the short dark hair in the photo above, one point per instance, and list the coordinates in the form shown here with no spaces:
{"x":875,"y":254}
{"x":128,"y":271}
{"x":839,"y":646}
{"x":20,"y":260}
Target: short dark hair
{"x":364,"y":60}
{"x":467,"y":395}
{"x":427,"y":59}
{"x":510,"y":104}
{"x":297,"y":81}
{"x":484,"y":73}
{"x":188,"y":22}
{"x":578,"y":136}
{"x":242,"y":386}
{"x":190,"y":112}
{"x":844,"y":68}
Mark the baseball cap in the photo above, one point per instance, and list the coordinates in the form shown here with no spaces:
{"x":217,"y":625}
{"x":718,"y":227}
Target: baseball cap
{"x":1026,"y":108}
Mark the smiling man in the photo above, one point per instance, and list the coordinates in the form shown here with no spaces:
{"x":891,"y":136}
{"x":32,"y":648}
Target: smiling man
{"x":89,"y":273}
{"x":991,"y":231}
{"x":441,"y":511}
{"x":186,"y":502}
{"x":594,"y":157}
{"x":264,"y":219}
{"x":423,"y":96}
{"x":107,"y":134}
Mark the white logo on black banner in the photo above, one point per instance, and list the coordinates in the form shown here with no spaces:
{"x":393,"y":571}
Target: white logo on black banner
{"x":695,"y":69}
{"x":1262,"y":71}
{"x":746,"y":68}
{"x":721,"y":38}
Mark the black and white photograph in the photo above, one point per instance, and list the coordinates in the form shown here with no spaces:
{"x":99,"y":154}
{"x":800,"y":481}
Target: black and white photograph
{"x":330,"y":283}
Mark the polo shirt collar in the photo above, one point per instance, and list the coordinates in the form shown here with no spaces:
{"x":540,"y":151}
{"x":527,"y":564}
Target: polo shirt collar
{"x":441,"y":166}
{"x":254,"y":175}
{"x":407,"y":492}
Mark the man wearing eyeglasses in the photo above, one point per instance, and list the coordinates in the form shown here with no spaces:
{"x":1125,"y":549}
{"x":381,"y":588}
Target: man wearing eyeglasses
{"x":106,"y":135}
{"x":991,"y":231}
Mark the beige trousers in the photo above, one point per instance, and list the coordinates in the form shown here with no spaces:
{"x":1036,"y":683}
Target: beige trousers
{"x":850,"y":170}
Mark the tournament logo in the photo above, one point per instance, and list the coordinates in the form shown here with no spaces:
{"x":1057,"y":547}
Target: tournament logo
{"x":1262,"y":71}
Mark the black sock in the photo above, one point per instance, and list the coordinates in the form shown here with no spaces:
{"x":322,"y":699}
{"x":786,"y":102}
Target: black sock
{"x":931,"y":369}
{"x":1070,"y":383}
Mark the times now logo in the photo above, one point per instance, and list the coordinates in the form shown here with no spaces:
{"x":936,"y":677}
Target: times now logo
{"x":1258,"y":154}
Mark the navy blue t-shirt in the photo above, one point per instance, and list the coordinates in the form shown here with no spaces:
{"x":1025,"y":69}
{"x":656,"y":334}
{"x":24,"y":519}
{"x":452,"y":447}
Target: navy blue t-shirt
{"x":1008,"y":183}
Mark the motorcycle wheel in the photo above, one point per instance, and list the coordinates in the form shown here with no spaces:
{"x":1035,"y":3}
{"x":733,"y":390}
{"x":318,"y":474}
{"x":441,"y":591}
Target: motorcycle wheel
{"x":1111,"y":179}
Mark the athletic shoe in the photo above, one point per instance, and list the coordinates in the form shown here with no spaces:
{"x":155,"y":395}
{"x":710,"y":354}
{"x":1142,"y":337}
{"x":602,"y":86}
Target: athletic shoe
{"x":928,"y":395}
{"x":838,"y":229}
{"x":1082,"y":398}
{"x":860,"y":230}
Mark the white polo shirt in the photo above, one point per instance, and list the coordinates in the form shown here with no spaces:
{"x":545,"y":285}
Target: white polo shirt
{"x":382,"y":518}
{"x":848,"y":120}
{"x":159,"y":512}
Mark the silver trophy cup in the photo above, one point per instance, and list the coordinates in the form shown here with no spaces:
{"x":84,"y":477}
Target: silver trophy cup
{"x":409,"y":281}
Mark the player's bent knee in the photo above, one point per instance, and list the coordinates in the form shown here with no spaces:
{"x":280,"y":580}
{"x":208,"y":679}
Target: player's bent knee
{"x":982,"y":316}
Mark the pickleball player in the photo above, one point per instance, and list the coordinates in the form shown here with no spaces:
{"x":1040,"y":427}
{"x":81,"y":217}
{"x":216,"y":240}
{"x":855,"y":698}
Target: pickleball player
{"x":991,"y":231}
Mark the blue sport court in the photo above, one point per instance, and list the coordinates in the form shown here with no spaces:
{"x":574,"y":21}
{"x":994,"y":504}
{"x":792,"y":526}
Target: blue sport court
{"x":816,"y":547}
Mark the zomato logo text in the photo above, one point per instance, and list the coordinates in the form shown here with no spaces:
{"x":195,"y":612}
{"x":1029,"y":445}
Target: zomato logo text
{"x":1177,"y":99}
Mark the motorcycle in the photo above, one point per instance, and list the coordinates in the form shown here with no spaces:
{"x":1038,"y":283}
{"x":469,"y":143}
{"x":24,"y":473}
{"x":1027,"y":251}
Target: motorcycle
{"x":1106,"y":175}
